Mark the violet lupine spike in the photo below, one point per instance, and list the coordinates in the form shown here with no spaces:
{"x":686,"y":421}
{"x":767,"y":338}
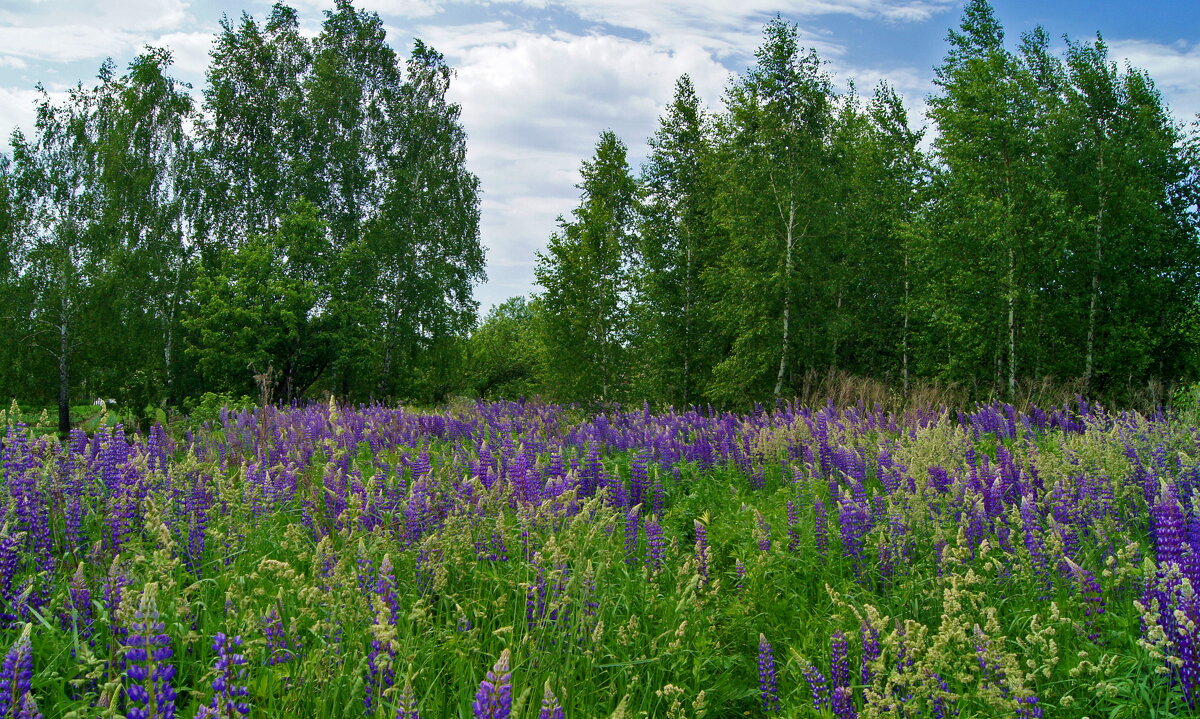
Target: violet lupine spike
{"x":535,"y":599}
{"x":406,"y":704}
{"x":551,"y":709}
{"x":631,"y":536}
{"x":853,"y":525}
{"x":656,"y":545}
{"x":82,"y":612}
{"x":385,"y":587}
{"x":768,"y":685}
{"x":658,"y":495}
{"x":763,"y":530}
{"x":494,"y":698}
{"x":1034,"y":545}
{"x":229,"y":699}
{"x":16,"y":673}
{"x":639,"y":478}
{"x":147,"y":650}
{"x":10,"y":562}
{"x":1092,"y":596}
{"x":1030,"y":708}
{"x":817,"y":686}
{"x":842,"y":703}
{"x":1167,"y":517}
{"x":870,"y":652}
{"x":839,"y":665}
{"x":940,"y":700}
{"x":28,"y":708}
{"x":279,"y":646}
{"x":740,"y":569}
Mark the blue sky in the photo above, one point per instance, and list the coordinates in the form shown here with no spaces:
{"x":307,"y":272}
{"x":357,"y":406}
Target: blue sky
{"x":538,"y":80}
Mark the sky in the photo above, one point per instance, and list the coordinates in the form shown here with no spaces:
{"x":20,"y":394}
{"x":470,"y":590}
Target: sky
{"x":539,"y":80}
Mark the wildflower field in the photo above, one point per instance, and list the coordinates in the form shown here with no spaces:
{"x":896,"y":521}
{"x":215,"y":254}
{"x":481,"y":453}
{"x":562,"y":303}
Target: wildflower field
{"x":528,"y":560}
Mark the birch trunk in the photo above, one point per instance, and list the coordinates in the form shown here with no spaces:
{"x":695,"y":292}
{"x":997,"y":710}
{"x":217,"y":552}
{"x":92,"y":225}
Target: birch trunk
{"x":787,"y":299}
{"x":64,"y":405}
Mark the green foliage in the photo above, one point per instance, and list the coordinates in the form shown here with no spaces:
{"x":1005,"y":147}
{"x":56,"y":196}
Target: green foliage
{"x":260,"y":312}
{"x":506,"y":357}
{"x":129,"y":213}
{"x":677,"y":340}
{"x":587,"y":275}
{"x":207,"y":407}
{"x":1051,"y":236}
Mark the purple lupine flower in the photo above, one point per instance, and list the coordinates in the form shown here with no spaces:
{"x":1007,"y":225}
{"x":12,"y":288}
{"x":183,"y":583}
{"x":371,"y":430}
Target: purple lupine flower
{"x":1034,"y":544}
{"x":82,"y":614}
{"x":656,"y":545}
{"x":535,"y":599}
{"x":631,"y":536}
{"x":280,"y":648}
{"x":406,"y":704}
{"x":499,"y":549}
{"x":494,"y":698}
{"x":940,"y":700}
{"x":147,"y":650}
{"x":763,"y":530}
{"x":228,"y":699}
{"x":853,"y":522}
{"x":551,"y":709}
{"x":1063,"y":507}
{"x":1168,"y":526}
{"x":1030,"y":710}
{"x":740,"y":569}
{"x":385,"y":587}
{"x":792,"y":530}
{"x":870,"y":651}
{"x":839,"y":666}
{"x":29,"y":708}
{"x":16,"y":674}
{"x":423,"y":571}
{"x":197,"y":506}
{"x":73,"y":489}
{"x":817,"y":686}
{"x":592,"y":472}
{"x":10,"y":562}
{"x":1092,"y":596}
{"x":843,"y":703}
{"x":768,"y":687}
{"x":639,"y":478}
{"x":990,"y":669}
{"x":1191,"y":560}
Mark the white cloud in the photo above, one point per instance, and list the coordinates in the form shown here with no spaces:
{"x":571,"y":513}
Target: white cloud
{"x":17,"y":111}
{"x":14,"y":62}
{"x":386,"y":8}
{"x":189,"y":51}
{"x":67,"y":43}
{"x":534,"y":103}
{"x":73,"y":30}
{"x":533,"y":106}
{"x":722,"y":26}
{"x":1173,"y":67}
{"x":126,"y":15}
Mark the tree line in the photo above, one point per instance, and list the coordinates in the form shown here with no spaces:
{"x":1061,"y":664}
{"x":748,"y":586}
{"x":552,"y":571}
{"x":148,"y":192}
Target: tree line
{"x":1048,"y":229}
{"x":308,"y":226}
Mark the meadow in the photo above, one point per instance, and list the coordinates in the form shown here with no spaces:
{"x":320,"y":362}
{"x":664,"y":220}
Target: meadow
{"x":531,"y":560}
